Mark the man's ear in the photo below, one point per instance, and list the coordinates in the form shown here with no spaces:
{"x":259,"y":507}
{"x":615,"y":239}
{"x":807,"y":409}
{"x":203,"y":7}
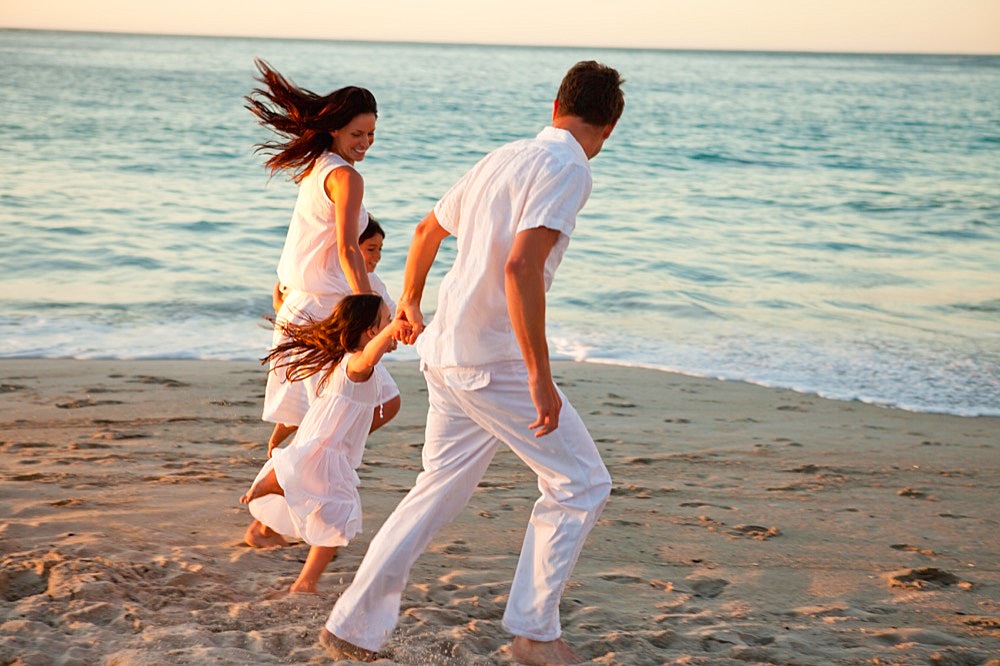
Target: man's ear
{"x":555,"y":109}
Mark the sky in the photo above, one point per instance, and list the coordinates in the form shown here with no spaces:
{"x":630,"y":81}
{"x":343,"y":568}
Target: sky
{"x":870,"y":26}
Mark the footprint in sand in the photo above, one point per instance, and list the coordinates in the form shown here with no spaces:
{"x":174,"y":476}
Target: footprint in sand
{"x":86,"y":402}
{"x":703,"y":586}
{"x":701,"y":504}
{"x":915,"y":494}
{"x":118,"y":434}
{"x":913,"y":549}
{"x":923,"y":578}
{"x":162,"y":381}
{"x":757,"y":532}
{"x":620,"y":578}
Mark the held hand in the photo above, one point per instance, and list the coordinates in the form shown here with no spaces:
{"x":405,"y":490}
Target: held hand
{"x":400,"y":330}
{"x":410,"y":313}
{"x":548,"y":404}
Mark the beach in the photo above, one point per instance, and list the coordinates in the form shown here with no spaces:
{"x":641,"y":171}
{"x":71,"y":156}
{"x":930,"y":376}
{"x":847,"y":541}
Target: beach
{"x":746,"y":525}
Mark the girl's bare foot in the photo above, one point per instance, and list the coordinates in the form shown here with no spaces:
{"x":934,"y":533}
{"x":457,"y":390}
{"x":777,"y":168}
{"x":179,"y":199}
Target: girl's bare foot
{"x":303,"y":588}
{"x":543,"y":653}
{"x":316,"y":561}
{"x":259,"y":535}
{"x":267,"y":486}
{"x":278,"y":435}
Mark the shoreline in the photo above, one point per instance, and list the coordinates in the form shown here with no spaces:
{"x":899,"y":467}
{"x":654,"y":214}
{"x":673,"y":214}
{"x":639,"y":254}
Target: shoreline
{"x":746,"y":524}
{"x":619,"y":365}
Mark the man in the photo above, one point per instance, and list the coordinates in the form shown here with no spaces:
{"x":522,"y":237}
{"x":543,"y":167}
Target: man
{"x":486,"y":362}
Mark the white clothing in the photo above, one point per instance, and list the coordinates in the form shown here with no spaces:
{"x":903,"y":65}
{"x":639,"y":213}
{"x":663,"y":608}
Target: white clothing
{"x":551,"y":180}
{"x":321,"y":504}
{"x":464,"y":429}
{"x":286,"y":401}
{"x":310,"y":260}
{"x":379,"y":288}
{"x":478,"y":395}
{"x":309,"y":269}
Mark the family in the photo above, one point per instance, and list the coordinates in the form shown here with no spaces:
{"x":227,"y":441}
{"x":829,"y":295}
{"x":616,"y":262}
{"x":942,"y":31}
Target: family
{"x":484,"y":355}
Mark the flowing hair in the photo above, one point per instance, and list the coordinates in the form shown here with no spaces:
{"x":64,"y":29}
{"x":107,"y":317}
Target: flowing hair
{"x":318,"y":346}
{"x":302,"y":118}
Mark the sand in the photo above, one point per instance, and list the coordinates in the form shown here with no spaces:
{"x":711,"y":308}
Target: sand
{"x":746,"y":526}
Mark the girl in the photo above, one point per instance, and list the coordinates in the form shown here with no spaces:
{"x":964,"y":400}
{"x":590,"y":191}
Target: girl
{"x":323,"y":137}
{"x":309,"y":489}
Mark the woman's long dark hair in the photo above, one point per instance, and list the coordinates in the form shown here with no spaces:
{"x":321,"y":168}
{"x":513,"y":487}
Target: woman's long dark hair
{"x":303,"y":118}
{"x":316,"y":346}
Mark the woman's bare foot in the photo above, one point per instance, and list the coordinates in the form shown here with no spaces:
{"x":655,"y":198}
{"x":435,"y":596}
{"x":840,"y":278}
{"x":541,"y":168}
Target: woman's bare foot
{"x":543,"y":653}
{"x":259,"y":535}
{"x":341,"y":649}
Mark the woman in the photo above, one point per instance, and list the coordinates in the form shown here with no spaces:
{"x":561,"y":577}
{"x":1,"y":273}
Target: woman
{"x":322,"y":138}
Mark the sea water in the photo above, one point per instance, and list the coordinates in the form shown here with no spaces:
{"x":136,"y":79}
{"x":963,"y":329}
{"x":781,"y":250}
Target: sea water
{"x":820,"y":222}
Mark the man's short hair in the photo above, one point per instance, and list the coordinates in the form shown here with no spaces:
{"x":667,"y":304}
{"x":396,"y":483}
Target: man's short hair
{"x":593,"y":92}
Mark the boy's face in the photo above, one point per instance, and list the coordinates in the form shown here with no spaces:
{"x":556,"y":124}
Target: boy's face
{"x":371,"y":249}
{"x":383,"y":318}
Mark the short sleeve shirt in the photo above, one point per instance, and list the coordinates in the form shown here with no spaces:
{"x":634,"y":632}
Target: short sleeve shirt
{"x":540,"y":182}
{"x":310,"y":261}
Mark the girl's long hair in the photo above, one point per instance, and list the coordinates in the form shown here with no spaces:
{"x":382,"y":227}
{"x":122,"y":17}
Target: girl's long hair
{"x":318,"y":346}
{"x":302,"y":118}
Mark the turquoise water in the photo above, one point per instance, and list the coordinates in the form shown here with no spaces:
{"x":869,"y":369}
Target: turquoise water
{"x":827,"y":223}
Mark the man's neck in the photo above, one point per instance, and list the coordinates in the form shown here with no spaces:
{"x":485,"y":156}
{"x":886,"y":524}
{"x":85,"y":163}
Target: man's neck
{"x":590,"y":137}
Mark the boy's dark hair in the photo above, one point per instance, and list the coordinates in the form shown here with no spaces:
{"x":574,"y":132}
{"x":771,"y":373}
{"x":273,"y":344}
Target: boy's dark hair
{"x":592,"y":91}
{"x":372,"y":229}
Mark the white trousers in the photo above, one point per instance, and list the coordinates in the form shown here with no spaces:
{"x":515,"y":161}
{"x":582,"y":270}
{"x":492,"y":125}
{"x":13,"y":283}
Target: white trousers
{"x":473,"y":410}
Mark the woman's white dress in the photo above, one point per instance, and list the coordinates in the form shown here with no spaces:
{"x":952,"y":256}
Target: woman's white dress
{"x":317,"y":471}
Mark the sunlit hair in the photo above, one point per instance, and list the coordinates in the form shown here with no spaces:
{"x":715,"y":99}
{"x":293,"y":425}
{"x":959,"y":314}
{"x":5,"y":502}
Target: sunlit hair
{"x":372,"y":229}
{"x":316,"y":346}
{"x":303,"y":118}
{"x":593,"y":92}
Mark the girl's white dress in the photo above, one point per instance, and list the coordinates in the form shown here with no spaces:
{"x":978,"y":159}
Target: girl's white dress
{"x":321,"y":504}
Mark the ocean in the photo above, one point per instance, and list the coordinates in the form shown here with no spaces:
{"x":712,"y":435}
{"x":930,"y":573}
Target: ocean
{"x":828,"y":223}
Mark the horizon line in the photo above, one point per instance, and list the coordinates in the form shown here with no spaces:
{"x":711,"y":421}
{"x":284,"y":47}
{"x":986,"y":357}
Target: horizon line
{"x":779,"y":51}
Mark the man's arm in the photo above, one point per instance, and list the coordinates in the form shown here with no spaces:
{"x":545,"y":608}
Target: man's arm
{"x":524,"y":275}
{"x":427,"y":239}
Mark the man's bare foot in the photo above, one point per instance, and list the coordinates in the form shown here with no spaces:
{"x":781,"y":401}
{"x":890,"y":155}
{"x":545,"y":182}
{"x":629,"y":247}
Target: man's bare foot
{"x":259,"y":535}
{"x":543,"y":653}
{"x":341,"y":649}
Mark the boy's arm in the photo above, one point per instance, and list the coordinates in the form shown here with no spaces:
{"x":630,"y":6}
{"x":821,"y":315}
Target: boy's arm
{"x":424,"y":247}
{"x":524,"y":276}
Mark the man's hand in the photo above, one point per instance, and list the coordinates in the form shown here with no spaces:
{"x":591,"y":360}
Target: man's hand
{"x":524,"y":279}
{"x":427,"y":239}
{"x":411,"y":314}
{"x":548,"y":404}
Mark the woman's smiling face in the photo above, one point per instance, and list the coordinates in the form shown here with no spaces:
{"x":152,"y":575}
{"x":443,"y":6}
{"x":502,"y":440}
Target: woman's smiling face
{"x":354,"y":139}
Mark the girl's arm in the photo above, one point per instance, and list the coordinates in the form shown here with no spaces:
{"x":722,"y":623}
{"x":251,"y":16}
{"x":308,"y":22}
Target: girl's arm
{"x":346,"y":188}
{"x":361,"y":364}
